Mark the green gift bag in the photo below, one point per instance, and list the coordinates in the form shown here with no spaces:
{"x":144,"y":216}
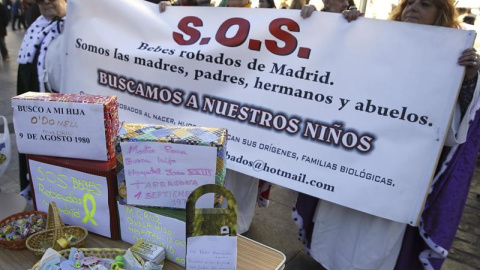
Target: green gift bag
{"x":211,"y":221}
{"x":211,"y":232}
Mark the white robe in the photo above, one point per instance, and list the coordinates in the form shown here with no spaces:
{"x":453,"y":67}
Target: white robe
{"x":245,"y":190}
{"x":346,"y":239}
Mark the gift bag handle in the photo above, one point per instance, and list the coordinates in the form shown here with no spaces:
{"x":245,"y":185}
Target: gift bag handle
{"x":212,"y":188}
{"x":205,"y":189}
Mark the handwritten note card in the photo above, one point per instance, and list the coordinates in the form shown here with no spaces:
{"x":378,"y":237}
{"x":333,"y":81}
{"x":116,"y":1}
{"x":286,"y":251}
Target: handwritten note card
{"x":43,"y":127}
{"x":164,"y":174}
{"x":212,"y":253}
{"x":81,"y":198}
{"x":169,"y":233}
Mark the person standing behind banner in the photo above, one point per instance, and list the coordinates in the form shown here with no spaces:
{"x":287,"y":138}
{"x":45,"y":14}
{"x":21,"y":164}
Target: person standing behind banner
{"x":32,"y":68}
{"x":34,"y":46}
{"x":244,"y":187}
{"x":266,"y":4}
{"x":239,"y":3}
{"x":304,"y":211}
{"x":335,"y":6}
{"x":428,"y":244}
{"x":297,"y":4}
{"x":342,"y":238}
{"x":4,"y":18}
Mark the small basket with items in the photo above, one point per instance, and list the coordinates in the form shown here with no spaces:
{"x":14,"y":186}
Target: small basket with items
{"x":57,"y":235}
{"x":15,"y":229}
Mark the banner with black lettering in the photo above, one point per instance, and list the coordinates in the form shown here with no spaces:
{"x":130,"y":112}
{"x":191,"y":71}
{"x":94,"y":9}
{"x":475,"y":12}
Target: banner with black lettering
{"x":353,"y":113}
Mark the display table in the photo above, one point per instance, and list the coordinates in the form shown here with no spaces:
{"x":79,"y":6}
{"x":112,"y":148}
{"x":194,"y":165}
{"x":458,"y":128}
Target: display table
{"x":251,"y":255}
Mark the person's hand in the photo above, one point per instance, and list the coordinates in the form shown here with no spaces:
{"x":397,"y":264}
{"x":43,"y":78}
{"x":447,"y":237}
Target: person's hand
{"x":352,"y":15}
{"x":162,"y":5}
{"x":470,"y":60}
{"x":307,"y":10}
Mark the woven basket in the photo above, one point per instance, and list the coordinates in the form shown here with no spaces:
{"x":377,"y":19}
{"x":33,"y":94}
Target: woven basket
{"x":106,"y":253}
{"x":56,"y":229}
{"x":18,"y":243}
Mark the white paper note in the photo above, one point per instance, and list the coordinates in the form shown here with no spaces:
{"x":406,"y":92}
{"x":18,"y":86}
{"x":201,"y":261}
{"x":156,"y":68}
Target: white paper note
{"x":81,"y":198}
{"x":169,"y":233}
{"x":212,"y":253}
{"x":164,"y":174}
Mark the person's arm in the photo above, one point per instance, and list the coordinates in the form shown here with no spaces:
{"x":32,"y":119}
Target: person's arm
{"x":466,"y":94}
{"x":470,"y":60}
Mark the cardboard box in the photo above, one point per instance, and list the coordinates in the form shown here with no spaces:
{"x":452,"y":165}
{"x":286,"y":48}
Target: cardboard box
{"x":160,"y":226}
{"x":84,"y":191}
{"x":162,"y":165}
{"x":66,"y":125}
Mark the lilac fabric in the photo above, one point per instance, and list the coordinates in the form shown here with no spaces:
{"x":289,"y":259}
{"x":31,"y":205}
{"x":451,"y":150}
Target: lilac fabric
{"x":444,"y":206}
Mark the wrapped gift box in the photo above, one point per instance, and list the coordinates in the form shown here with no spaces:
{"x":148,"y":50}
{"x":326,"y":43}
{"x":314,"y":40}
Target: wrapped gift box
{"x":160,"y":165}
{"x":66,"y":125}
{"x":83,"y":190}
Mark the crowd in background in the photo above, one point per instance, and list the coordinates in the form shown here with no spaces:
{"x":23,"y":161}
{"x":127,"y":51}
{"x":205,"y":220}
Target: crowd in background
{"x":20,"y":14}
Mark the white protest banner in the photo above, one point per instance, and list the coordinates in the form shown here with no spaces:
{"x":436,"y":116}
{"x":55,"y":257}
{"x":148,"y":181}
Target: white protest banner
{"x":169,"y":233}
{"x":81,"y":198}
{"x":164,"y":174}
{"x":354,"y":113}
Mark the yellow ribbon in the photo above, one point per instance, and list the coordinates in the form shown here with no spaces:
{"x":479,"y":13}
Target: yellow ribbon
{"x":89,"y":214}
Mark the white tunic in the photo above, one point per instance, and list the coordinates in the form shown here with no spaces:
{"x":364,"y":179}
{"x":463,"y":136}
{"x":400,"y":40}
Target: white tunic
{"x":346,"y":239}
{"x":53,"y":72}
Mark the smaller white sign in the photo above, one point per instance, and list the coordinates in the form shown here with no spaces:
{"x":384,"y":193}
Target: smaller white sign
{"x":212,"y":253}
{"x":164,"y":174}
{"x":169,"y":233}
{"x":81,"y":198}
{"x":43,"y":127}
